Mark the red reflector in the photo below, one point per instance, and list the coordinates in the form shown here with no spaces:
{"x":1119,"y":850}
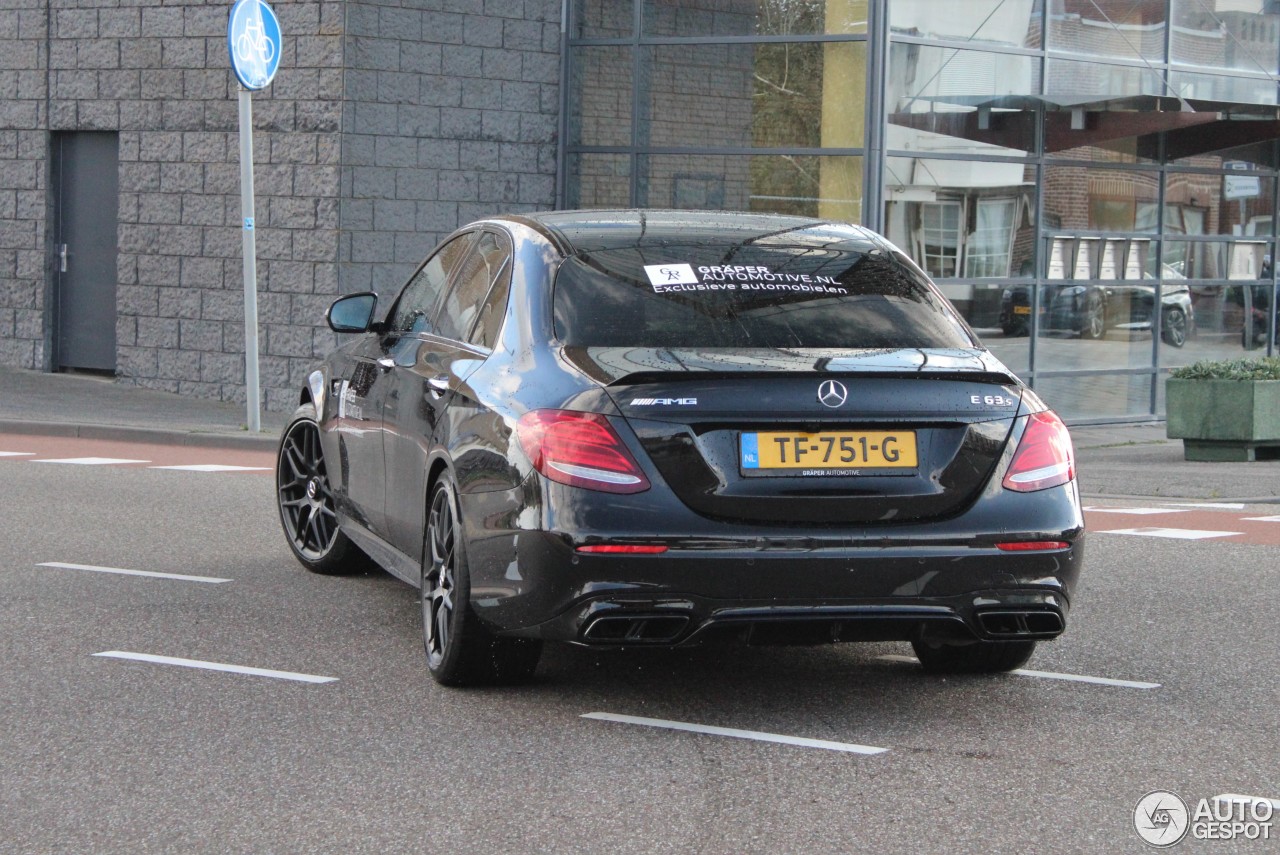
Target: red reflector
{"x":1032,"y":545}
{"x":623,"y":548}
{"x":1044,"y":457}
{"x":579,"y":449}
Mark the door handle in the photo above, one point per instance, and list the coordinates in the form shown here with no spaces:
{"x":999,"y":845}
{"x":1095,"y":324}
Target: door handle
{"x":62,"y":258}
{"x":386,"y":363}
{"x":439,"y":385}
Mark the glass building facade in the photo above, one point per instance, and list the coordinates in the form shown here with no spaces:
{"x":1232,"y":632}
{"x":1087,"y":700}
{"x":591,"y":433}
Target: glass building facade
{"x":1091,"y":182}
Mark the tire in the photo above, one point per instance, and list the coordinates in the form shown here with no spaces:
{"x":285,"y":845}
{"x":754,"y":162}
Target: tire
{"x":460,"y":650}
{"x":978,"y":657}
{"x":1013,"y":329}
{"x":305,"y":500}
{"x":1173,"y":328}
{"x":1095,"y":318}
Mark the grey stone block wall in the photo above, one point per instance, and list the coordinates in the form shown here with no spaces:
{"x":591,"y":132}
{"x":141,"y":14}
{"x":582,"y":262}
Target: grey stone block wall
{"x":450,"y":115}
{"x":388,"y":125}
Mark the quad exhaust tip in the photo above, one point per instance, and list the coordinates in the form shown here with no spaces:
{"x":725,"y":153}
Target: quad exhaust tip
{"x":635,"y":629}
{"x":1013,"y":624}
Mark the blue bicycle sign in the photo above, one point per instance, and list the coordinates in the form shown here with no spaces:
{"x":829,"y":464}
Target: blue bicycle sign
{"x":253,"y":41}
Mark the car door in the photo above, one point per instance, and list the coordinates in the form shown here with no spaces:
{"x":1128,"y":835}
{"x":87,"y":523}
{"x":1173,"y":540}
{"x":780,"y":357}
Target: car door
{"x":429,"y":371}
{"x":364,"y":398}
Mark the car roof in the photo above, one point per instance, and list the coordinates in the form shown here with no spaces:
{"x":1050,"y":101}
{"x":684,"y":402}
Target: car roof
{"x":596,"y":230}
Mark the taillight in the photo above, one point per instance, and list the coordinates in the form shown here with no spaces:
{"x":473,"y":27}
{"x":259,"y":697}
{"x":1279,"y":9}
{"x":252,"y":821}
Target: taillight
{"x":623,"y":549}
{"x":579,"y":449}
{"x":1031,"y":545}
{"x":1044,"y":457}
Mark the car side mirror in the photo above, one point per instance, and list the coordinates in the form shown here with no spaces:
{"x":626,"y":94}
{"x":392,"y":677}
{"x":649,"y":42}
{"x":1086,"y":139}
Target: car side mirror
{"x":352,"y":313}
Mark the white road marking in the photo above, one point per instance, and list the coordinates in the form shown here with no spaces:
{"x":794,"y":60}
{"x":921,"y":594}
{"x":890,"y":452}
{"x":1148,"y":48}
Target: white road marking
{"x":17,"y":454}
{"x":214,"y":467}
{"x":1262,"y":519}
{"x":1050,"y":675}
{"x":1248,"y":800}
{"x":759,"y":736}
{"x":212,"y":580}
{"x":1136,"y":511}
{"x":1226,"y":506}
{"x":90,"y":461}
{"x":216,"y":666}
{"x":1175,"y":533}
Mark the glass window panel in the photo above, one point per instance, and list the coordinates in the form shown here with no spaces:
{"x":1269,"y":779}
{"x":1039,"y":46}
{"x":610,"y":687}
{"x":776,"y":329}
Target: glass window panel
{"x":1220,"y":87}
{"x":1243,"y":34}
{"x":934,"y":96}
{"x":1239,"y":203}
{"x":770,"y":95}
{"x":602,"y":19}
{"x":1104,"y":396}
{"x":1084,"y":82}
{"x":1230,"y":321}
{"x":690,"y":18}
{"x":1122,"y":29}
{"x":600,"y":99}
{"x":1103,"y":200}
{"x":1014,"y":23}
{"x":599,"y":181}
{"x":829,"y":187}
{"x":1246,"y":259}
{"x":962,"y":218}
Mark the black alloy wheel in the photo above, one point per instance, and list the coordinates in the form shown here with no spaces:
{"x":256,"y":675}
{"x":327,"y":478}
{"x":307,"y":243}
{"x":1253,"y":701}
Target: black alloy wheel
{"x":305,"y":500}
{"x":977,"y":657}
{"x":460,"y":651}
{"x":1173,"y":328}
{"x":1095,"y":318}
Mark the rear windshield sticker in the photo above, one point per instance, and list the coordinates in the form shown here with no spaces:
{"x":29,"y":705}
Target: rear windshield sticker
{"x":667,"y":278}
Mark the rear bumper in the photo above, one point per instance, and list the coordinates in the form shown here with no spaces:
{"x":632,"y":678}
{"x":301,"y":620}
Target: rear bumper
{"x":786,"y":596}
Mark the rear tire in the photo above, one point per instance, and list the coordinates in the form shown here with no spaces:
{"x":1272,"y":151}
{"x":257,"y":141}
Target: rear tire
{"x":460,"y":650}
{"x":304,"y":498}
{"x":1095,"y":318}
{"x":979,"y":657}
{"x":1173,"y":328}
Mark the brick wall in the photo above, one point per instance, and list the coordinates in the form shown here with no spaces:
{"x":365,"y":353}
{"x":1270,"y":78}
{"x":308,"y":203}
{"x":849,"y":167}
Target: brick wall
{"x":387,"y":126}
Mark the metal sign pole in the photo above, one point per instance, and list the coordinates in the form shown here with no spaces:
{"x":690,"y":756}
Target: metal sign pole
{"x":253,"y":406}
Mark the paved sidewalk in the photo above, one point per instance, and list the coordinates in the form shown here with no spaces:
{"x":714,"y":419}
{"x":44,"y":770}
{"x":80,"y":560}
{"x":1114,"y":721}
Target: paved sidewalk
{"x":99,"y":408}
{"x":1126,"y":461}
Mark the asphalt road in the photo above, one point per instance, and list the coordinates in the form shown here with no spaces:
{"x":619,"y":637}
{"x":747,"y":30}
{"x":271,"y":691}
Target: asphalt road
{"x":111,"y":755}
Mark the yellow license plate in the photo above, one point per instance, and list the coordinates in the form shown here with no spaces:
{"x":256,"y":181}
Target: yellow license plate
{"x":1022,"y":310}
{"x":829,"y":450}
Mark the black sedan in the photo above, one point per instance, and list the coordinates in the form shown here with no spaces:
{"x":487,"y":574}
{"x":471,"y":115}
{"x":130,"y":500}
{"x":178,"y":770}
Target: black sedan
{"x":1091,"y":310}
{"x":626,"y":428}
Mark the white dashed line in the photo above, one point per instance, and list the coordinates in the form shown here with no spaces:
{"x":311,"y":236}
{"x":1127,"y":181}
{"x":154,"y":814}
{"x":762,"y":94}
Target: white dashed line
{"x":214,"y":467}
{"x":90,"y":461}
{"x":216,"y":666}
{"x":759,"y":736}
{"x":1137,"y":511}
{"x":1226,"y":506}
{"x":1174,"y":533}
{"x":1262,"y":519}
{"x":124,"y":572}
{"x":1050,"y":675}
{"x":17,"y":454}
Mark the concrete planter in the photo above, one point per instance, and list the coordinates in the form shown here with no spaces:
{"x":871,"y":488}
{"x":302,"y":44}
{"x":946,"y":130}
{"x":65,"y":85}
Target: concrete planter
{"x":1225,"y":419}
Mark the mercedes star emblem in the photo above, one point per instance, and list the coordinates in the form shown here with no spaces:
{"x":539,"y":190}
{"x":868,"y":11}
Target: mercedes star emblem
{"x":832,"y":393}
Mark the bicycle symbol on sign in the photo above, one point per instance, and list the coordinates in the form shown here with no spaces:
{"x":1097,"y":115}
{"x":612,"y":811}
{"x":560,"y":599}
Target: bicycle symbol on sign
{"x":254,"y":44}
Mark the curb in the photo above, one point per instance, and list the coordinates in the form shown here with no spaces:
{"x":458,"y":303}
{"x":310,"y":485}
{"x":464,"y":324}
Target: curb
{"x":263,"y":441}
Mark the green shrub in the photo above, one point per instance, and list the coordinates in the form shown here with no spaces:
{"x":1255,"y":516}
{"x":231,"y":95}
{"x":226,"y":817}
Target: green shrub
{"x":1266,"y":368}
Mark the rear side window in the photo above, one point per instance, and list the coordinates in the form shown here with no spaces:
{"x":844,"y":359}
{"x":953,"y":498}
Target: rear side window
{"x":738,"y":295}
{"x":466,"y":299}
{"x":414,"y":310}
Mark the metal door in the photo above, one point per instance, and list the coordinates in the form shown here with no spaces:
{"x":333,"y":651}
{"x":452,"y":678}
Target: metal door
{"x":85,"y":212}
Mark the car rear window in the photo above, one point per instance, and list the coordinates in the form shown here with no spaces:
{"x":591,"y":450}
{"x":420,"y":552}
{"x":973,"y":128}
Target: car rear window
{"x":750,"y":296}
